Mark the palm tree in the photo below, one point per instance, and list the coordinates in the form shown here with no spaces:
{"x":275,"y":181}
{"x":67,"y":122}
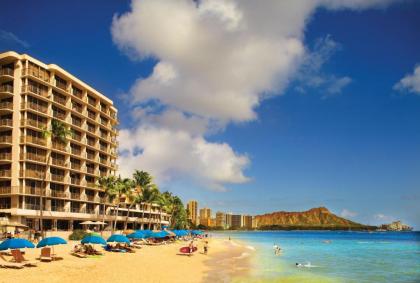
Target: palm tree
{"x":108,"y":185}
{"x":128,"y":190}
{"x":150,"y":196}
{"x":165,"y":203}
{"x":58,"y":132}
{"x":142,"y":180}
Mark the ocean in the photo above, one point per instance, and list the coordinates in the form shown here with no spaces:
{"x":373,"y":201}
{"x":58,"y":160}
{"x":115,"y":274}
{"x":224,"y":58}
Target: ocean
{"x":328,"y":256}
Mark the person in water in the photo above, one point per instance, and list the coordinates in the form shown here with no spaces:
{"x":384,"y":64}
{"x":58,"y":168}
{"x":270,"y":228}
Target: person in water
{"x":206,"y":247}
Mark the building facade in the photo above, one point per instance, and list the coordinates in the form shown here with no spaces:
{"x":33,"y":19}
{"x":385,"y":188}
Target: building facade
{"x":64,"y":173}
{"x":237,"y":221}
{"x":247,"y":221}
{"x":192,"y":210}
{"x":221,"y":219}
{"x":205,"y":216}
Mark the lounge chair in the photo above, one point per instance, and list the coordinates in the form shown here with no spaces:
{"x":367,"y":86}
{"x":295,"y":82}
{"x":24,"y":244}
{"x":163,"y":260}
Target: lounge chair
{"x":18,"y":257}
{"x":7,"y":264}
{"x":45,"y":255}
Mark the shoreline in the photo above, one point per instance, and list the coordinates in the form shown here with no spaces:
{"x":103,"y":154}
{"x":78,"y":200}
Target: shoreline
{"x":149,"y":264}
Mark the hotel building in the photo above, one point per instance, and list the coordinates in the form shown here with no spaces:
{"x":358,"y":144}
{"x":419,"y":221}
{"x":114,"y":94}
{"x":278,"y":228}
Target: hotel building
{"x":205,"y":216}
{"x":32,"y":96}
{"x":192,"y":209}
{"x":221,"y":219}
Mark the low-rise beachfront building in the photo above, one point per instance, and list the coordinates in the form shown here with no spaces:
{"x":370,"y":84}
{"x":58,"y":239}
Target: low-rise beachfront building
{"x":32,"y":96}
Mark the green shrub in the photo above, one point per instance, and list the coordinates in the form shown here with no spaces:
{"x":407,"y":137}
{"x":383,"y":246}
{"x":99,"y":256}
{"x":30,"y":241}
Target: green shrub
{"x":77,"y":235}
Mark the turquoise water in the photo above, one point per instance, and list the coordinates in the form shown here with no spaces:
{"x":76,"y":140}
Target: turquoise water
{"x":349,"y":257}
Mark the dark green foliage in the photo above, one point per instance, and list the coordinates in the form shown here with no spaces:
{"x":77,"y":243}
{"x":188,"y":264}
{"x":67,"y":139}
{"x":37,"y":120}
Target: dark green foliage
{"x":77,"y":235}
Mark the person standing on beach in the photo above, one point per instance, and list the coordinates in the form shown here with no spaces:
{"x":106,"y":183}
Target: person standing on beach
{"x":206,"y":247}
{"x":191,"y":246}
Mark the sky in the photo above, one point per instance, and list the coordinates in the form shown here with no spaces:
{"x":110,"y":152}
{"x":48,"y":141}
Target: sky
{"x":249,"y":106}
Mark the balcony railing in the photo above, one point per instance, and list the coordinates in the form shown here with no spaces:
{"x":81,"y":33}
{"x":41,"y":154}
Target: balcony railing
{"x":35,"y":90}
{"x":76,"y":122}
{"x":34,"y":123}
{"x":78,"y":94}
{"x":43,"y":75}
{"x":77,"y":108}
{"x":61,"y":84}
{"x":90,"y":170}
{"x":5,"y":190}
{"x":5,"y":156}
{"x":27,"y":190}
{"x":58,"y":194}
{"x":59,"y":208}
{"x":76,"y":137}
{"x":75,"y":196}
{"x":75,"y":166}
{"x":58,"y":162}
{"x":76,"y":151}
{"x":32,"y":174}
{"x":33,"y":157}
{"x":6,"y":88}
{"x":75,"y":209}
{"x":33,"y":139}
{"x":91,"y":115}
{"x":59,"y":146}
{"x":57,"y":178}
{"x":6,"y":122}
{"x":6,"y":105}
{"x":59,"y":115}
{"x":35,"y":106}
{"x":5,"y":173}
{"x":6,"y":72}
{"x":31,"y":206}
{"x":102,"y":173}
{"x":75,"y":181}
{"x":91,"y":142}
{"x":90,"y":184}
{"x":59,"y":99}
{"x":90,"y":198}
{"x":6,"y":139}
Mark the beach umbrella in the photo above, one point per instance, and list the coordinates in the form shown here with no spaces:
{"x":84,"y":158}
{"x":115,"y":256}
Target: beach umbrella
{"x":136,"y":235}
{"x":93,"y":239}
{"x":164,"y":226}
{"x":51,"y":241}
{"x":196,"y":232}
{"x":146,"y":233}
{"x":16,"y":243}
{"x":158,"y":235}
{"x":118,"y":238}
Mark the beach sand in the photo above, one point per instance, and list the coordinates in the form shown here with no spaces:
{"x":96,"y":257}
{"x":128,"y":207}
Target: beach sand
{"x":149,"y":264}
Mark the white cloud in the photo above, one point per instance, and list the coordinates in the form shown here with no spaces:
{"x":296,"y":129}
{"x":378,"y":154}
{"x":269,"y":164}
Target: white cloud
{"x":348,"y":213}
{"x":381,"y":218}
{"x":411,"y":82}
{"x":175,"y":152}
{"x":217,"y":60}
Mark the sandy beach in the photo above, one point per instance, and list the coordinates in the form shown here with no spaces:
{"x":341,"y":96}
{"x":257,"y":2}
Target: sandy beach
{"x":149,"y":264}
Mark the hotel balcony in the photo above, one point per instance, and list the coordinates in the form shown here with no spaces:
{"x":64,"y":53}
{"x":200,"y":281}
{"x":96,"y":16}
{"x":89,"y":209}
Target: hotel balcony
{"x":5,"y":156}
{"x":6,"y":139}
{"x":35,"y":106}
{"x":75,"y":181}
{"x":59,"y":146}
{"x":33,"y":157}
{"x":34,"y":123}
{"x":6,"y":72}
{"x":5,"y":173}
{"x":6,"y":89}
{"x":32,"y":174}
{"x":58,"y":162}
{"x":57,"y":194}
{"x":34,"y":140}
{"x":35,"y":90}
{"x":6,"y":123}
{"x":57,"y":178}
{"x":6,"y":106}
{"x":39,"y":74}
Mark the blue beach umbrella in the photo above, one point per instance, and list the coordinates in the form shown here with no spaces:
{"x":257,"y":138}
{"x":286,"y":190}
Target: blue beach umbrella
{"x":196,"y":232}
{"x":51,"y":241}
{"x":136,"y":235}
{"x":93,"y":240}
{"x":158,"y":235}
{"x":14,"y":244}
{"x":118,"y":238}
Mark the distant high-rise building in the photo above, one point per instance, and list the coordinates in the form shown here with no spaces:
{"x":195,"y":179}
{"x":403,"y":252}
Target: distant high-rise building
{"x":221,"y":219}
{"x":205,"y":216}
{"x":237,"y":220}
{"x":228,"y":220}
{"x":247,"y":221}
{"x":192,"y":208}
